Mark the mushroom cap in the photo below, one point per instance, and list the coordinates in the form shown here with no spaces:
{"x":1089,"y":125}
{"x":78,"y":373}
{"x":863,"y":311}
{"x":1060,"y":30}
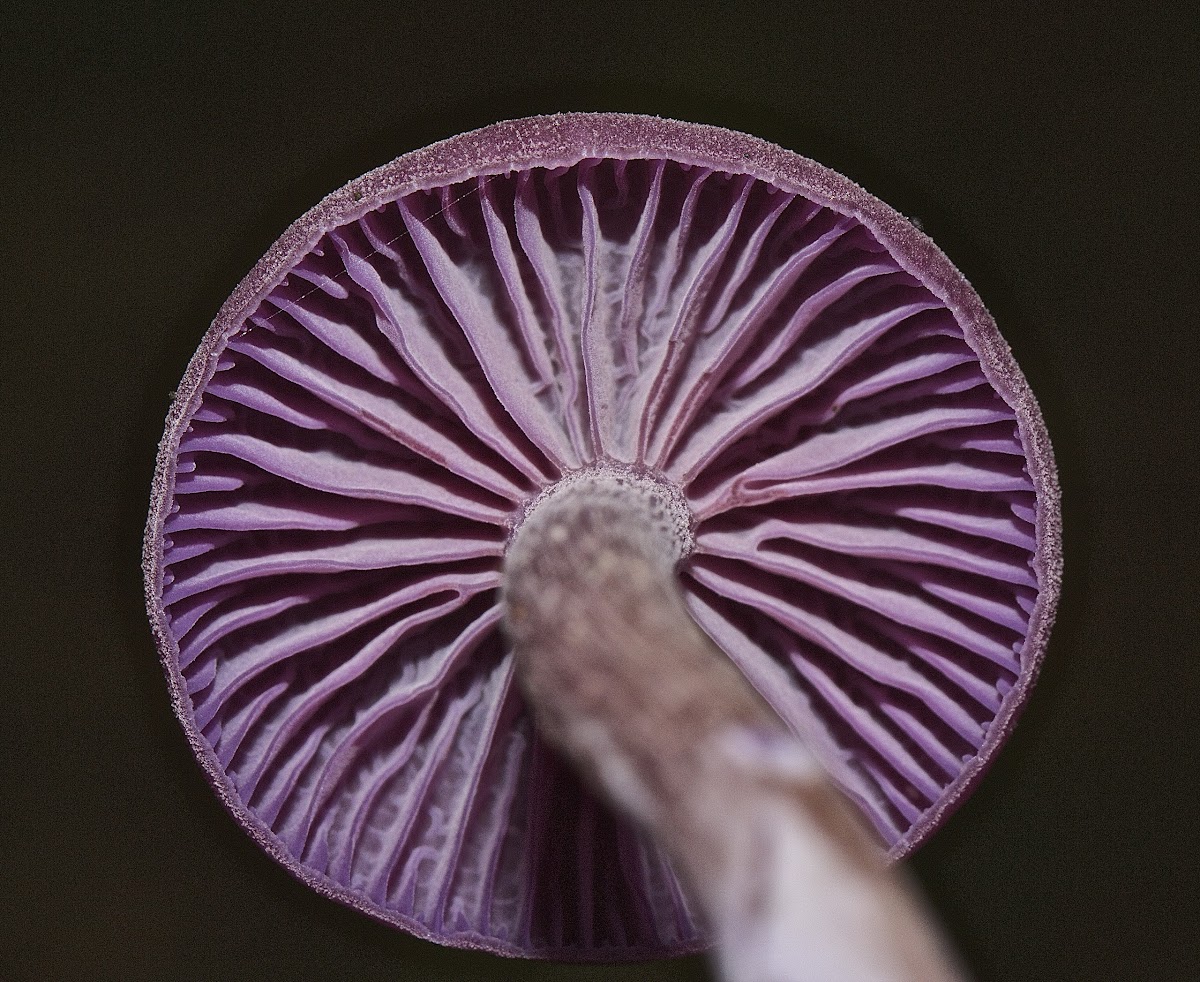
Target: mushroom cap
{"x":875,"y":534}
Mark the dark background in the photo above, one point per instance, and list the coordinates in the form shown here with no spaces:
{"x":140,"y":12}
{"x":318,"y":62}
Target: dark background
{"x":149,"y":156}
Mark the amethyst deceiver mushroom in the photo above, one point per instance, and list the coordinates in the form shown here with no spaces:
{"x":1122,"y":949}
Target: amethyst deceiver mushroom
{"x":825,"y":435}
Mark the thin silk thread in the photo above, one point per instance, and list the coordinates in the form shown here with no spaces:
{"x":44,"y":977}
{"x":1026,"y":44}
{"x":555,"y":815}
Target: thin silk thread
{"x":291,"y":305}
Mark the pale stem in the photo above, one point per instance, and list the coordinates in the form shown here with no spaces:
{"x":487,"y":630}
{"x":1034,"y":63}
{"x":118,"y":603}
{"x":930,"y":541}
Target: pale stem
{"x":663,"y":725}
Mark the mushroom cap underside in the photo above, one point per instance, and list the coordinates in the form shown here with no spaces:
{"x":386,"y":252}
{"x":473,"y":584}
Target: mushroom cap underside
{"x":874,"y":508}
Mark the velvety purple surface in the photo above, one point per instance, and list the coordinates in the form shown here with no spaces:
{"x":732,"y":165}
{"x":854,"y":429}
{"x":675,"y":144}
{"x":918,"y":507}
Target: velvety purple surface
{"x":877,"y":538}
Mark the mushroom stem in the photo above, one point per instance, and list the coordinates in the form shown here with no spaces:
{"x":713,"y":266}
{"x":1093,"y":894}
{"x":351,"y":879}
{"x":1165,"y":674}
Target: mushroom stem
{"x":663,"y":725}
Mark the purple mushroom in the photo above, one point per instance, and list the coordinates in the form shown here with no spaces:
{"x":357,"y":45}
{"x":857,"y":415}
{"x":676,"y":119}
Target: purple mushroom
{"x":512,"y":339}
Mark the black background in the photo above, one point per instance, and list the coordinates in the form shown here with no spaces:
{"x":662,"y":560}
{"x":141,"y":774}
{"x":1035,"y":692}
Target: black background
{"x":150,"y":155}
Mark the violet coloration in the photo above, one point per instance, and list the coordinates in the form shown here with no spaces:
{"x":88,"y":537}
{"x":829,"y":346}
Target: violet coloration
{"x":873,"y":529}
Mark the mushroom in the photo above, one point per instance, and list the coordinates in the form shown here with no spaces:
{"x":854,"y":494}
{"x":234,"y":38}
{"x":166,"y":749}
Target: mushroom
{"x":725,"y":448}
